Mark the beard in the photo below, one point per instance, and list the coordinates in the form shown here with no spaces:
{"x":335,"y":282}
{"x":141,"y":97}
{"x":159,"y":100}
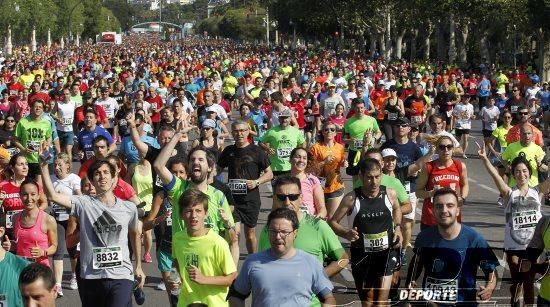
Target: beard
{"x":198,"y":179}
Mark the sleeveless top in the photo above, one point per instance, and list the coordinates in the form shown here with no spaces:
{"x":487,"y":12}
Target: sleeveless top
{"x":214,"y":150}
{"x":143,"y":184}
{"x":66,"y":113}
{"x":522,"y":214}
{"x":438,"y":178}
{"x":373,"y":218}
{"x":393,"y":111}
{"x":28,"y":237}
{"x":165,"y":228}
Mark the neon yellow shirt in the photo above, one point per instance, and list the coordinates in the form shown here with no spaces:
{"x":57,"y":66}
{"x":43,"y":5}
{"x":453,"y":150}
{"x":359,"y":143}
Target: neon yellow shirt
{"x":531,"y":151}
{"x":500,"y":134}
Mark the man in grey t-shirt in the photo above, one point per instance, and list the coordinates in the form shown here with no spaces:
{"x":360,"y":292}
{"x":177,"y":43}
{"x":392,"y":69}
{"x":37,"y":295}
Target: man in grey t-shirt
{"x":107,"y":276}
{"x":282,"y":275}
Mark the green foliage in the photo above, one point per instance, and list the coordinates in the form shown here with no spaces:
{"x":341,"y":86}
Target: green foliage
{"x":241,"y":23}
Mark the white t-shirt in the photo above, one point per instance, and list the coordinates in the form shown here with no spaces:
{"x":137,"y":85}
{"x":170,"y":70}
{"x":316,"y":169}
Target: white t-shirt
{"x":490,"y":116}
{"x":65,"y":112}
{"x":111,"y":107}
{"x":463,"y":114}
{"x":67,"y":186}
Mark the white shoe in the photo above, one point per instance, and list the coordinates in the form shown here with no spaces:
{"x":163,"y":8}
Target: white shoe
{"x":161,"y":286}
{"x":73,"y":285}
{"x":59,"y":290}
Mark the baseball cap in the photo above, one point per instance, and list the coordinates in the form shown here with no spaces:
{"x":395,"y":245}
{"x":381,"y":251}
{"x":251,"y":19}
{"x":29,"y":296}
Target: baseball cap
{"x":211,"y":109}
{"x":86,"y":95}
{"x":331,"y":85}
{"x":381,"y":82}
{"x":501,"y":91}
{"x":285,"y":113}
{"x":388,"y":152}
{"x":209,"y":123}
{"x":402,"y":121}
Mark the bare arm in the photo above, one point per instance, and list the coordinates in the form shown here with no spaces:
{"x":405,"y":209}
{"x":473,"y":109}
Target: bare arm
{"x":336,"y":266}
{"x":136,"y":138}
{"x":52,"y":235}
{"x":162,"y":160}
{"x":503,"y":188}
{"x":58,"y":198}
{"x":135,"y":237}
{"x":464,"y":185}
{"x":151,"y":220}
{"x":72,"y":233}
{"x":319,"y":202}
{"x":343,"y":209}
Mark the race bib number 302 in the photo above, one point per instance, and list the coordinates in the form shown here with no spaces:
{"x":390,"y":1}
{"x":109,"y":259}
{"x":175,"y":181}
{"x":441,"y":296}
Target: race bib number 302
{"x":376,"y":242}
{"x":107,"y":257}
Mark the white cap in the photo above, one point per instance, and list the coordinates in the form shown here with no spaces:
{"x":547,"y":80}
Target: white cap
{"x":501,"y":91}
{"x":388,"y":152}
{"x":381,"y":82}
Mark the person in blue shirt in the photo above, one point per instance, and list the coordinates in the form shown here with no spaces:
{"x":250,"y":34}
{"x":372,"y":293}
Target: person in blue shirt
{"x":89,"y":133}
{"x":258,"y":115}
{"x":450,"y":254}
{"x":128,"y":150}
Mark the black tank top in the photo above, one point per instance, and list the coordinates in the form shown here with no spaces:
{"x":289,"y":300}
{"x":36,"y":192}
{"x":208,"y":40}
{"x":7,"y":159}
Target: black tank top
{"x":393,"y":111}
{"x":214,"y":150}
{"x":373,"y":219}
{"x":165,"y":227}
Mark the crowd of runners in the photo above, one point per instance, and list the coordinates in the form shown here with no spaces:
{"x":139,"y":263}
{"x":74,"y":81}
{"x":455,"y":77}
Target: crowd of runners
{"x":149,"y":123}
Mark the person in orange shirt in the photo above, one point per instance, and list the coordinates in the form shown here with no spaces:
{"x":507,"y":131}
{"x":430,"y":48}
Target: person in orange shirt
{"x":524,"y":118}
{"x":329,"y":157}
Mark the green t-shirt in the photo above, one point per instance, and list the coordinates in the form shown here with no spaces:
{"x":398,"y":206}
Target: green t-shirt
{"x":210,"y":253}
{"x":216,"y":199}
{"x":356,"y":128}
{"x":314,"y":237}
{"x":500,"y":134}
{"x":33,"y":133}
{"x":392,"y":183}
{"x":10,"y":268}
{"x":531,"y":151}
{"x":283,"y":141}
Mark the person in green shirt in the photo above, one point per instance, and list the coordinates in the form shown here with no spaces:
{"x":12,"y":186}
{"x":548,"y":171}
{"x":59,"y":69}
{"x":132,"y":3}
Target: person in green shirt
{"x":279,"y":141}
{"x":10,"y":268}
{"x":200,"y":164}
{"x":201,"y":257}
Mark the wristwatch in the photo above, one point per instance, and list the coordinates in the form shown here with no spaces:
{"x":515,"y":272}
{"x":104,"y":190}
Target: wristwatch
{"x":257,"y":183}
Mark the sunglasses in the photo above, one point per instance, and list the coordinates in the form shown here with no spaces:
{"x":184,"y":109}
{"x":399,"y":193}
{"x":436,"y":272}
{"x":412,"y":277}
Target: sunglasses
{"x":291,"y":197}
{"x":523,"y":113}
{"x":401,"y":125}
{"x":206,"y":128}
{"x":507,"y":117}
{"x":515,"y":90}
{"x":329,"y":130}
{"x":444,"y":147}
{"x":10,"y":120}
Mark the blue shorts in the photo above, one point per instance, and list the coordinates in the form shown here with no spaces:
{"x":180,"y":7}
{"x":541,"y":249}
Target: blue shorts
{"x":164,"y":260}
{"x":65,"y":138}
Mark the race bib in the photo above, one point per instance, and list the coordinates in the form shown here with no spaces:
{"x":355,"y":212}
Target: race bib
{"x":13,"y":151}
{"x":524,"y":219}
{"x":408,"y":187}
{"x":309,"y":118}
{"x":284,"y":152}
{"x":449,"y":113}
{"x":376,"y":242}
{"x":67,"y":121}
{"x":448,"y":288}
{"x":158,"y":182}
{"x":9,"y":217}
{"x":107,"y":257}
{"x":89,"y":154}
{"x":238,"y":186}
{"x":61,"y":214}
{"x":417,"y":119}
{"x":169,"y":221}
{"x":392,"y":116}
{"x":514,"y":109}
{"x":358,"y":144}
{"x":154,"y":106}
{"x":34,"y":145}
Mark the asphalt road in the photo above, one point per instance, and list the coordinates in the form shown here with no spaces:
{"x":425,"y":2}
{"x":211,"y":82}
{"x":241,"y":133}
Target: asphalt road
{"x":480,"y":212}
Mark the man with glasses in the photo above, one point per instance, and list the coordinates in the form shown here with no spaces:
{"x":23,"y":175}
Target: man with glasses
{"x":248,"y":168}
{"x":288,"y":194}
{"x":282,"y":275}
{"x":514,"y":103}
{"x":524,"y":118}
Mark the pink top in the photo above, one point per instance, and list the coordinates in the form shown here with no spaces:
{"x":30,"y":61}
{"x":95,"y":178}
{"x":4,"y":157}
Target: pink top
{"x":309,"y":184}
{"x":28,"y":238}
{"x":123,"y":190}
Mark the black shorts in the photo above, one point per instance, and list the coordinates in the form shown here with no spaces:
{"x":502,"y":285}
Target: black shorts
{"x":352,"y":169}
{"x":460,"y":132}
{"x":106,"y":292}
{"x":487,"y":133}
{"x":369,"y":267}
{"x":247,"y":213}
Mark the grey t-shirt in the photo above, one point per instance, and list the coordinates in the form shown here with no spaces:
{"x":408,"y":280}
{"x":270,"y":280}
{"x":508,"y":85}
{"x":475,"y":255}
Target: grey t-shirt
{"x":104,"y":237}
{"x":282,"y":282}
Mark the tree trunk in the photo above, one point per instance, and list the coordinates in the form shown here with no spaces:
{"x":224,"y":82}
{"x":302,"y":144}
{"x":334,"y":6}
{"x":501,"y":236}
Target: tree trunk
{"x":484,"y":47}
{"x":463,"y":52}
{"x":388,"y":48}
{"x":399,"y":44}
{"x":373,"y":37}
{"x":441,"y":41}
{"x":382,"y":39}
{"x":426,"y":43}
{"x":414,"y":36}
{"x":543,"y":46}
{"x":452,"y":39}
{"x":361,"y":41}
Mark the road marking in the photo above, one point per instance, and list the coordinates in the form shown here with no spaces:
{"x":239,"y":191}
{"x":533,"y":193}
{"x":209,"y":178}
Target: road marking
{"x":483,"y":186}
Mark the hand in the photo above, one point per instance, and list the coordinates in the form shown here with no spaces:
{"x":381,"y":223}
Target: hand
{"x":131,"y":119}
{"x":172,"y":285}
{"x":397,"y":237}
{"x":250,"y":184}
{"x":352,"y":234}
{"x":329,"y":159}
{"x":36,"y":251}
{"x":485,"y":293}
{"x":346,"y":164}
{"x":140,"y":276}
{"x":6,"y":243}
{"x":271,"y":151}
{"x":195,"y":274}
{"x":224,"y":216}
{"x":481,"y":151}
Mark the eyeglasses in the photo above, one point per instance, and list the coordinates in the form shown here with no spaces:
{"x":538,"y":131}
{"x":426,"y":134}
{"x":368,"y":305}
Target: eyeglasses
{"x":507,"y":117}
{"x":283,"y":233}
{"x":291,"y":197}
{"x":329,"y":129}
{"x":444,"y":147}
{"x":523,"y":113}
{"x":206,"y":128}
{"x":515,"y":90}
{"x":401,"y":125}
{"x":10,"y":120}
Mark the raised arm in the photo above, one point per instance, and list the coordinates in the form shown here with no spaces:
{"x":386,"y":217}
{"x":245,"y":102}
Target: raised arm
{"x":502,"y":187}
{"x":134,"y":135}
{"x":162,"y":160}
{"x":58,"y":198}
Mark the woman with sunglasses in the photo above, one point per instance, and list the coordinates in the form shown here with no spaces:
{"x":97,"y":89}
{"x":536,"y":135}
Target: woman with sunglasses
{"x":522,"y":211}
{"x":393,"y":109}
{"x":6,"y":134}
{"x":338,"y":120}
{"x":329,"y":157}
{"x":443,"y":172}
{"x":313,"y":201}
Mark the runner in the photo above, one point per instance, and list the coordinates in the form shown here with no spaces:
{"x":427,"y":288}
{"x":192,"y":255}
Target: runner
{"x":311,"y":187}
{"x":449,"y":254}
{"x":89,"y":133}
{"x":106,"y":270}
{"x":463,"y":114}
{"x":375,"y":215}
{"x":248,"y":168}
{"x":37,"y":286}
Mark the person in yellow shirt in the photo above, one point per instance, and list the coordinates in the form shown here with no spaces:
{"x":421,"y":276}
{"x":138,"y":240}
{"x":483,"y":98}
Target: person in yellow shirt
{"x":201,"y":256}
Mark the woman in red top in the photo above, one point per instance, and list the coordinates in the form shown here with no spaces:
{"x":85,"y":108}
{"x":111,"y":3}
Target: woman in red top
{"x":34,"y":231}
{"x":338,"y":120}
{"x":443,"y":172}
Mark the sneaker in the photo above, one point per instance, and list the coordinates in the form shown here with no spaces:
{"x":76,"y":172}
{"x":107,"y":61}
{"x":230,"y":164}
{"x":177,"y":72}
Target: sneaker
{"x":139,"y":296}
{"x":73,"y":285}
{"x":147,"y":258}
{"x":161,"y":286}
{"x":59,"y":290}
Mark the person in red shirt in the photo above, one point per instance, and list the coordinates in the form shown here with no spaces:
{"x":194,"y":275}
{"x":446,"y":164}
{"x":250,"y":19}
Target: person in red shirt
{"x":88,"y":102}
{"x":156,"y":106}
{"x":297,"y":106}
{"x":36,"y":94}
{"x":14,"y":87}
